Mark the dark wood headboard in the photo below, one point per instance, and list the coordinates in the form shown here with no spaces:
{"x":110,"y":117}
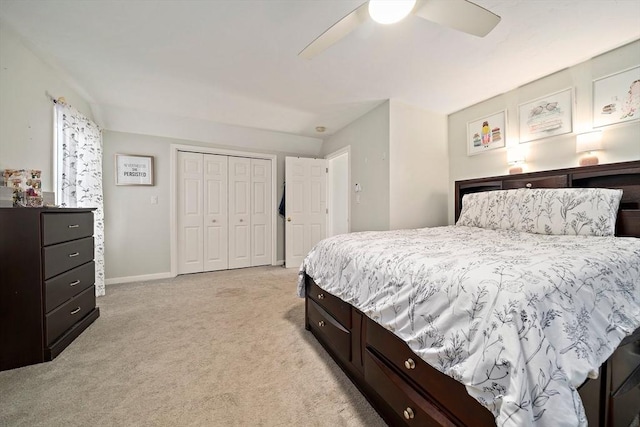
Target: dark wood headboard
{"x":624,"y":176}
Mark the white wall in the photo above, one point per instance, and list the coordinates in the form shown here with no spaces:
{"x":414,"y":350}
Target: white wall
{"x":137,"y":233}
{"x":621,"y":142}
{"x":338,"y":182}
{"x":368,"y":137}
{"x":26,"y":111}
{"x":419,"y":167}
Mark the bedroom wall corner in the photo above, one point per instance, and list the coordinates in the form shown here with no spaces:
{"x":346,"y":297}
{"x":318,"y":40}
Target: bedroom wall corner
{"x":26,"y":111}
{"x":620,"y":141}
{"x":137,"y":232}
{"x":418,"y":161}
{"x":368,"y":137}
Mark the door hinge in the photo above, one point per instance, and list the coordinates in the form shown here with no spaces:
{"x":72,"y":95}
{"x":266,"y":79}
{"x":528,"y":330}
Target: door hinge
{"x":327,"y":210}
{"x":327,"y":170}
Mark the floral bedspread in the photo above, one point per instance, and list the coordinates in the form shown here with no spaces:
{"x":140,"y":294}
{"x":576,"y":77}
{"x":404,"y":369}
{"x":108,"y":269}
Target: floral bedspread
{"x":520,"y":319}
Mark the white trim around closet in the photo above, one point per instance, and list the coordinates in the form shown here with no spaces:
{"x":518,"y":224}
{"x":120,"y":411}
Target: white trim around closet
{"x":173,"y":217}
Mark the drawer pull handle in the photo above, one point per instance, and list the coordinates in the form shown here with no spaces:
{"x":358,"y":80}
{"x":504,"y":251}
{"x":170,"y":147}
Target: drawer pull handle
{"x":320,"y":296}
{"x":529,"y":185}
{"x":74,"y":226}
{"x":410,"y":364}
{"x":74,"y":283}
{"x":73,"y":255}
{"x":75,"y":311}
{"x":408,"y":413}
{"x":321,"y":323}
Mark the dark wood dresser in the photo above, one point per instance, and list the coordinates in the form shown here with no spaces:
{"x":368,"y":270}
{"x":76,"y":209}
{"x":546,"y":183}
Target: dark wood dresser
{"x":47,"y":292}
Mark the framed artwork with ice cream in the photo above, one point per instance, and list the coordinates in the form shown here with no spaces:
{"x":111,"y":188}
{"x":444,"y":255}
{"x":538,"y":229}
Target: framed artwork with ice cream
{"x":486,"y":133}
{"x":616,"y":98}
{"x":547,"y":116}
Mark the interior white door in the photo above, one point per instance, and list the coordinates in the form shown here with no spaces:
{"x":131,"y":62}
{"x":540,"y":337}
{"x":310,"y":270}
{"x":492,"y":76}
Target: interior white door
{"x":239,"y":212}
{"x":216,"y":229}
{"x":261,"y":211}
{"x":305,"y":207}
{"x":190,"y":213}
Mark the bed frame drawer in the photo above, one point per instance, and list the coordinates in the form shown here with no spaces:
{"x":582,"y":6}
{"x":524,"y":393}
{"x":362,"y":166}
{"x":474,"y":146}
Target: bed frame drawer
{"x":403,"y":399}
{"x":625,"y":381}
{"x":334,"y":305}
{"x":327,"y":329}
{"x":409,"y":365}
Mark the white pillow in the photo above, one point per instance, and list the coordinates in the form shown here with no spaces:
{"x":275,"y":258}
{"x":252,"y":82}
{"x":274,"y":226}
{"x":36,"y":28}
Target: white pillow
{"x":576,"y":211}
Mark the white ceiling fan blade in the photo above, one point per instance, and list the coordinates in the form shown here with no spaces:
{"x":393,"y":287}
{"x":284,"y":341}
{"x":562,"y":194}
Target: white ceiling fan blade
{"x":459,"y":14}
{"x":336,"y":32}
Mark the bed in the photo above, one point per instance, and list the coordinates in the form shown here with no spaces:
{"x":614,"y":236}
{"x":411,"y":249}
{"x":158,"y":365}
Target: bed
{"x":506,"y":318}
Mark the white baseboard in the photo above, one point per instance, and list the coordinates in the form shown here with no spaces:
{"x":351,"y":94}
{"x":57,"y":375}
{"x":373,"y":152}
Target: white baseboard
{"x":279,"y":262}
{"x":141,"y":278}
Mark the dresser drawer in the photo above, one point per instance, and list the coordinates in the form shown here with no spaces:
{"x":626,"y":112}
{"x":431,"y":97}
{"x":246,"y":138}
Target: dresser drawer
{"x":557,"y":181}
{"x":62,"y":227}
{"x":403,"y":399}
{"x":63,"y":317}
{"x":327,"y":329}
{"x":67,"y":285}
{"x":65,"y":256}
{"x":398,"y":354}
{"x":334,"y":305}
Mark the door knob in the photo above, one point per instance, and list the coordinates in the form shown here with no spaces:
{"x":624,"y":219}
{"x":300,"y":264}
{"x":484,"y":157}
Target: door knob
{"x":213,"y":220}
{"x":241,"y":220}
{"x":289,"y":219}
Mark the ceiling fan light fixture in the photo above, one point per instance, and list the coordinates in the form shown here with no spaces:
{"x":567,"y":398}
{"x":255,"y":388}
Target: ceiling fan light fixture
{"x":390,"y":11}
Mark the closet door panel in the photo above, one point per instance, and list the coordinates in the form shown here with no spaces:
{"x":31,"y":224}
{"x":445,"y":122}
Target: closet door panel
{"x":239,"y":212}
{"x":261,"y":211}
{"x":216,"y":237}
{"x":190,"y":213}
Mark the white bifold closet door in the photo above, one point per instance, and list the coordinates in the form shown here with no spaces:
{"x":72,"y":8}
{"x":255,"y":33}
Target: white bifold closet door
{"x":239,"y":212}
{"x":216,"y":217}
{"x":261,"y":211}
{"x":202,"y":212}
{"x":224,"y":212}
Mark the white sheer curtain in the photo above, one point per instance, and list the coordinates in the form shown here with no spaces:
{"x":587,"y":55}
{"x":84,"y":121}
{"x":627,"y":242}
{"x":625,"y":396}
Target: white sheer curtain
{"x":78,"y":173}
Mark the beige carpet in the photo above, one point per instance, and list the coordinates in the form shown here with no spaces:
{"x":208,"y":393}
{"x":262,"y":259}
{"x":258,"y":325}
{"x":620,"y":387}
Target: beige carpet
{"x":214,"y":349}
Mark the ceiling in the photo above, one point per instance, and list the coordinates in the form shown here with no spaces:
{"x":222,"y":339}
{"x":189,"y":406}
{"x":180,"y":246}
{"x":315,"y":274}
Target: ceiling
{"x":235,"y":62}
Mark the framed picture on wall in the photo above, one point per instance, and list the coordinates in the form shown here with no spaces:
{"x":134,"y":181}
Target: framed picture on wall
{"x":486,"y":133}
{"x":134,"y":169}
{"x":547,"y":116}
{"x":616,"y":98}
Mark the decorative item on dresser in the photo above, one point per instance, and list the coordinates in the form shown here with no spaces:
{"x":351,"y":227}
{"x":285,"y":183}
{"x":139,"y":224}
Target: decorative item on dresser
{"x":47,"y":295}
{"x":404,"y":389}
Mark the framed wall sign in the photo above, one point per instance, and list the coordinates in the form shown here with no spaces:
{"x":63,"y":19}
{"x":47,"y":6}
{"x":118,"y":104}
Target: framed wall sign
{"x":486,"y":133}
{"x":548,"y":116}
{"x":616,"y":98}
{"x":134,"y":169}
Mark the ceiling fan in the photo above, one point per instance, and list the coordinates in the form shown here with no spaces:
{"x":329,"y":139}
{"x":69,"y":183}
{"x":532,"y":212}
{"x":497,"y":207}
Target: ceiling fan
{"x":461,"y":15}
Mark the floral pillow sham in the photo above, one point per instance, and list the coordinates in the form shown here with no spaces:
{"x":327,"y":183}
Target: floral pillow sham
{"x":573,"y":211}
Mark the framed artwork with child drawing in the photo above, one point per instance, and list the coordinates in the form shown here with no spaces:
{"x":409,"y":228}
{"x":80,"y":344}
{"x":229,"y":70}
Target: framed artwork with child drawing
{"x":486,"y":133}
{"x":616,"y":98}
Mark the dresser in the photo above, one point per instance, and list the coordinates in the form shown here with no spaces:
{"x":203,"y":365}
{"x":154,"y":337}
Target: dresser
{"x":47,"y":292}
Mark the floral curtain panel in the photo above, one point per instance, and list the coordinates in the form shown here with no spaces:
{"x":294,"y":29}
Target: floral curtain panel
{"x":78,"y":144}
